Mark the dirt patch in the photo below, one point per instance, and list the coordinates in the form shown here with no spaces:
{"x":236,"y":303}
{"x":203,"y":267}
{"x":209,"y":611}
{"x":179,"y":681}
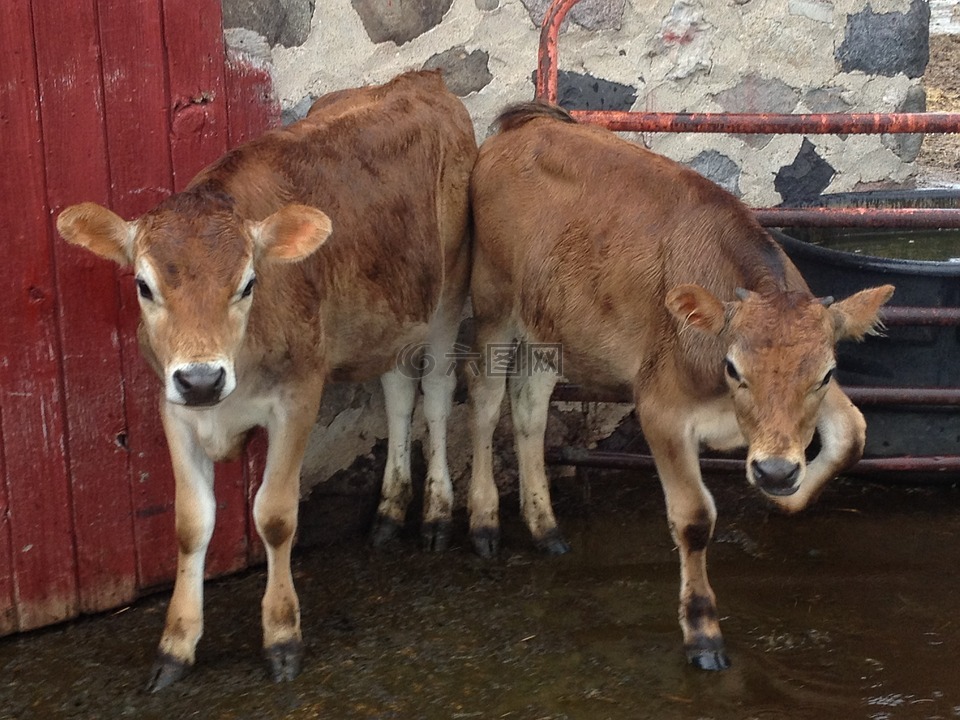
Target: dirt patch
{"x":939,"y":158}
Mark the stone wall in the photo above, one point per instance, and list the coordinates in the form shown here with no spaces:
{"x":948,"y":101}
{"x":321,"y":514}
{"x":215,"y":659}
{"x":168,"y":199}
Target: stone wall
{"x":785,"y":56}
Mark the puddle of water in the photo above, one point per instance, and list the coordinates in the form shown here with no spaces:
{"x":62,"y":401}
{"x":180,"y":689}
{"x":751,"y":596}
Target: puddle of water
{"x":848,"y":611}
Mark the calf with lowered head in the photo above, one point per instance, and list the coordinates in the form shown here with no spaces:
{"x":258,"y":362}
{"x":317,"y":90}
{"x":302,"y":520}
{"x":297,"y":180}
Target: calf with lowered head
{"x":649,"y":278}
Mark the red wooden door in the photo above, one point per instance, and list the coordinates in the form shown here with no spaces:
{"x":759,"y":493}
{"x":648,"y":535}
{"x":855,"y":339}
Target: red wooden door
{"x":119,"y":103}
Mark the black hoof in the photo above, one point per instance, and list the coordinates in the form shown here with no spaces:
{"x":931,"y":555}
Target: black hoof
{"x":486,"y":542}
{"x":553,"y":543}
{"x":284,"y":659}
{"x":384,"y":530}
{"x":709,"y":658}
{"x":435,"y":536}
{"x":165,"y":672}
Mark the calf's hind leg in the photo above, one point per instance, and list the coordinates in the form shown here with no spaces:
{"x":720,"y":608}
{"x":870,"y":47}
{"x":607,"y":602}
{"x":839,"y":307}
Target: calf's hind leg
{"x":487,"y":387}
{"x":530,"y":390}
{"x":439,"y":382}
{"x":400,"y":395}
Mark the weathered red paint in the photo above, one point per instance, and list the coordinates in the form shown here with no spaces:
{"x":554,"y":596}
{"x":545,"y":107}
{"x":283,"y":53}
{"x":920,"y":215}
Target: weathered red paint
{"x":42,"y":562}
{"x":86,"y":490}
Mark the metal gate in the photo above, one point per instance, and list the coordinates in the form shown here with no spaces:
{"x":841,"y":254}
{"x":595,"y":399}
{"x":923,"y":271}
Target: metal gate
{"x":547,"y":82}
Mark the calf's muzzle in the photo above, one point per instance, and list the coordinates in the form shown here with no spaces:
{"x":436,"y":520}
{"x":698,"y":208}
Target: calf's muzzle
{"x":200,"y":384}
{"x":776,"y":476}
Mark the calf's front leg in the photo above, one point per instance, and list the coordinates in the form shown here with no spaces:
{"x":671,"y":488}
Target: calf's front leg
{"x":275,"y":515}
{"x":195,"y":515}
{"x":691,"y":514}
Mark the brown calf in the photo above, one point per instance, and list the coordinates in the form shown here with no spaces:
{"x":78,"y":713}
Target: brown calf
{"x":250,"y":302}
{"x":650,"y":278}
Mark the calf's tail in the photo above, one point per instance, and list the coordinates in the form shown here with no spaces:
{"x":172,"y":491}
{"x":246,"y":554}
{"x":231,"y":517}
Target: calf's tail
{"x":516,"y":115}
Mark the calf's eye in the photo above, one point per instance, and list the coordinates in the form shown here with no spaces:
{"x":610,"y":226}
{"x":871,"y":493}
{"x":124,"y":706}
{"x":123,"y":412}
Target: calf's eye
{"x":144,"y":290}
{"x":248,"y":288}
{"x":731,"y":371}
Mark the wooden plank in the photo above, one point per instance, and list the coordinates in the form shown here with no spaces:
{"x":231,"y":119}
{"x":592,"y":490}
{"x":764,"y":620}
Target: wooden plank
{"x":195,"y":65}
{"x":136,"y":108}
{"x":8,"y":612}
{"x":75,"y":152}
{"x":33,"y":426}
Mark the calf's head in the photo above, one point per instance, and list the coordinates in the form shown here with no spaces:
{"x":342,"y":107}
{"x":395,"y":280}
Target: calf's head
{"x":778,"y":366}
{"x":195,"y":263}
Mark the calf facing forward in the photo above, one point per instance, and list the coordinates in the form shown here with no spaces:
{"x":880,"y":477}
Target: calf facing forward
{"x":249,"y":302}
{"x":651,"y":278}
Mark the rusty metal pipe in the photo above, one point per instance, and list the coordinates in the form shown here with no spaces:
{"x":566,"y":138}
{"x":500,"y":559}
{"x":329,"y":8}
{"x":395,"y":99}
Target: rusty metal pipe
{"x":772,"y":123}
{"x":860,"y":395}
{"x":743,"y":123}
{"x":928,"y":218}
{"x":634,"y":461}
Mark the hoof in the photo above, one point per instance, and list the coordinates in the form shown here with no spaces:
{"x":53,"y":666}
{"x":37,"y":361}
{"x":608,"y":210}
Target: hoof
{"x":712,"y":658}
{"x":165,"y":672}
{"x":486,"y":542}
{"x":384,"y":530}
{"x":435,"y":536}
{"x":284,"y":659}
{"x":553,"y":543}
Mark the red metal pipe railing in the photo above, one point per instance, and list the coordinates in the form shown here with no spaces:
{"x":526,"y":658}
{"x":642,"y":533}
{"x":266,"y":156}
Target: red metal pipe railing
{"x":749,"y":123}
{"x":638,"y":461}
{"x":861,"y":395}
{"x":743,"y":123}
{"x":913,"y":218}
{"x":771,"y":123}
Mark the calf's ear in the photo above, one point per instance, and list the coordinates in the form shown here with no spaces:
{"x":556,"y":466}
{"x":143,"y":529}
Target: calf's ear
{"x":858,"y":315}
{"x":292,"y":233}
{"x":98,"y":230}
{"x":693,"y":306}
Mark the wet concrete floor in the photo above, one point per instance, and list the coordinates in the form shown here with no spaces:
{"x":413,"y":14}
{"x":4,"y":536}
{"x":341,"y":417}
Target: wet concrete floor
{"x":847,"y":611}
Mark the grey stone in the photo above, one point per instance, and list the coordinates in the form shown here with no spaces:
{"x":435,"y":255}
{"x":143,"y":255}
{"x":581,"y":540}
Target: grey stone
{"x":298,"y":111}
{"x":463,"y":72}
{"x":907,"y":147}
{"x":487,"y":5}
{"x":577,"y":91}
{"x":757,"y":94}
{"x":281,"y":22}
{"x":887,"y":43}
{"x":826,"y":100}
{"x":399,"y":21}
{"x":589,"y":14}
{"x":719,"y":168}
{"x":805,"y":178}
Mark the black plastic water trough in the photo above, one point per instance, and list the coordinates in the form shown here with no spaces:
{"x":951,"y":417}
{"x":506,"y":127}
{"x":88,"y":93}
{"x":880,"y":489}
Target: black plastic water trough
{"x":921,"y":359}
